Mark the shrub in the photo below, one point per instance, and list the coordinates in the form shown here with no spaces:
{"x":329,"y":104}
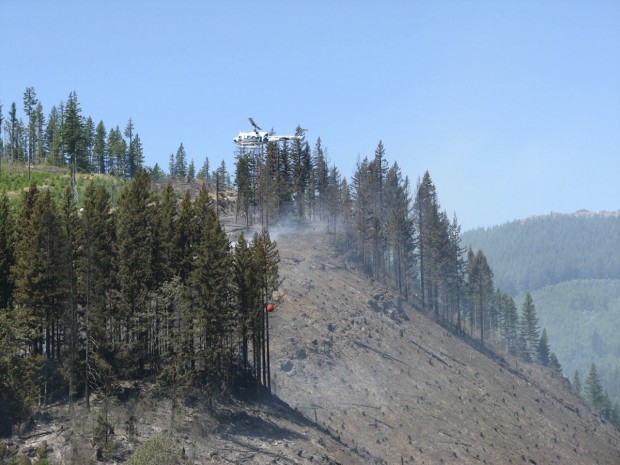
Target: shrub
{"x":156,"y":451}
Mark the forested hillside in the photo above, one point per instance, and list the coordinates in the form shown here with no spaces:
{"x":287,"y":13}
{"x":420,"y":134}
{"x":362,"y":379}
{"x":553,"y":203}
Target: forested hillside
{"x":570,"y":263}
{"x":528,"y":254}
{"x":582,"y":318}
{"x":150,"y":287}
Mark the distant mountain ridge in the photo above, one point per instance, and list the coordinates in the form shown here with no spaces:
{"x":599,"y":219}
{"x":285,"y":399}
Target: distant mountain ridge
{"x":583,"y":213}
{"x":538,"y":251}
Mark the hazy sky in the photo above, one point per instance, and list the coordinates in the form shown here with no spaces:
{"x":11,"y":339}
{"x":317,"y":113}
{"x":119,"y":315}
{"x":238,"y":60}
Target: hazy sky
{"x":512,"y":106}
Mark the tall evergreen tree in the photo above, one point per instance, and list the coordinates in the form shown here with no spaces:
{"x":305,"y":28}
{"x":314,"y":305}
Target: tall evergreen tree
{"x":134,"y":253}
{"x":89,"y":143}
{"x":425,"y":213}
{"x":70,"y":250}
{"x":243,"y":183}
{"x":595,"y":394}
{"x":576,"y":383}
{"x":529,"y":327}
{"x":117,"y":152}
{"x":40,"y":134}
{"x":321,"y":176}
{"x":246,"y":293}
{"x":266,"y":261}
{"x":14,"y":129}
{"x":204,"y":172}
{"x":30,"y":105}
{"x":99,"y":149}
{"x":131,"y":164}
{"x":164,"y":247}
{"x":73,"y":134}
{"x":481,"y":283}
{"x":543,"y":349}
{"x":209,"y":285}
{"x":53,"y":137}
{"x":40,"y":285}
{"x":180,"y":162}
{"x":96,"y":265}
{"x":510,"y":324}
{"x":301,"y":166}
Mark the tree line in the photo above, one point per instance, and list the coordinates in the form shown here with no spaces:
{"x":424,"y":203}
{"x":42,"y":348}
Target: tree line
{"x":151,"y":288}
{"x":402,"y":239}
{"x":596,"y":395}
{"x":65,"y":137}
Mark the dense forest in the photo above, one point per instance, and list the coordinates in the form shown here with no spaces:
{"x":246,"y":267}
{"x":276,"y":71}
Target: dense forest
{"x":150,"y":287}
{"x":582,"y":317}
{"x":570,"y":265}
{"x":546,"y":250}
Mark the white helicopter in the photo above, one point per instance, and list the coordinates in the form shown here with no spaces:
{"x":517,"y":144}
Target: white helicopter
{"x":259,"y":137}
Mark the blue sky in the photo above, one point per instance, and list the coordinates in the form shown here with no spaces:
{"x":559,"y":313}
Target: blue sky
{"x":512,"y":106}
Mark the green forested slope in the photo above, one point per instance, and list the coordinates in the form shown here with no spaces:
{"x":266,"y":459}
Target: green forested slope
{"x":582,"y":318}
{"x":571,"y":266}
{"x":533,"y":253}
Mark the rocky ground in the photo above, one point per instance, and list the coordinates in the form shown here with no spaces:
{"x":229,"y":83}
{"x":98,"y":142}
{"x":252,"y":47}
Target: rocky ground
{"x":361,"y":378}
{"x":388,"y":380}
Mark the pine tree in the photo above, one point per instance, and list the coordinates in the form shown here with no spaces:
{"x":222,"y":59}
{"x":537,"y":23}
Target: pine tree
{"x":134,"y":242}
{"x":131,"y":164}
{"x":191,"y":171}
{"x":53,"y":137}
{"x":30,"y":105}
{"x":529,"y":327}
{"x":266,"y":259}
{"x":40,"y":134}
{"x":180,"y":162}
{"x":481,"y":283}
{"x":554,"y":362}
{"x":99,"y":149}
{"x":543,"y":349}
{"x":96,"y":268}
{"x":425,"y":213}
{"x":70,"y":251}
{"x":302,"y":166}
{"x":203,"y":173}
{"x":243,"y":183}
{"x":510,"y":324}
{"x":576,"y":383}
{"x":399,"y":228}
{"x":184,"y":239}
{"x":73,"y":134}
{"x":138,"y":153}
{"x":38,"y":273}
{"x":321,"y":176}
{"x":246,"y":293}
{"x":89,"y":143}
{"x":15,"y":130}
{"x":164,"y":247}
{"x":594,"y":392}
{"x":116,"y":151}
{"x":209,"y":286}
{"x":363,"y":214}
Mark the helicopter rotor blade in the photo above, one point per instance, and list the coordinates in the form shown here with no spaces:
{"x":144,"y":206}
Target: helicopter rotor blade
{"x":254,"y":125}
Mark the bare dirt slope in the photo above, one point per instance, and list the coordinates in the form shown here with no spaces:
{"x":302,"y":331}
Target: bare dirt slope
{"x":387,"y":380}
